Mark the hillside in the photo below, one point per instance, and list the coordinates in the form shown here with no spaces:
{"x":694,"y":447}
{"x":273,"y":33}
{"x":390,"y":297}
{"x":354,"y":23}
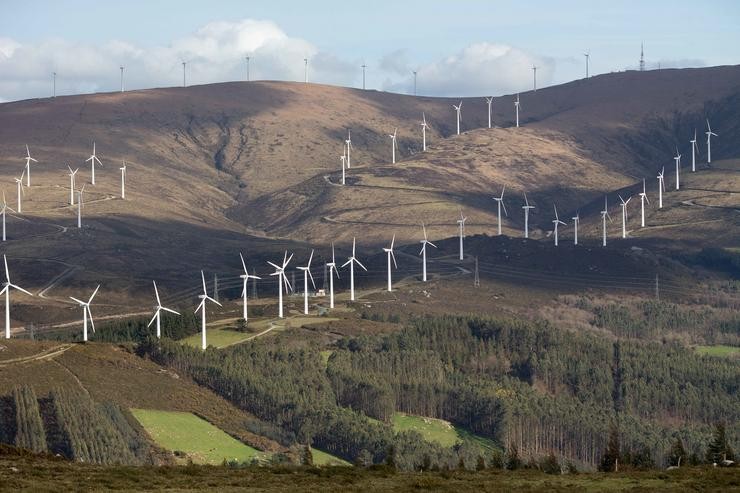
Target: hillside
{"x":253,"y":167}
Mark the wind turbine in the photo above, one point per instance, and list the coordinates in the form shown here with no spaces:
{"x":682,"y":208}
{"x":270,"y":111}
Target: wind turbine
{"x":489,"y":101}
{"x":516,"y":106}
{"x":351,"y":262}
{"x":79,"y":206}
{"x":158,"y":312}
{"x":457,"y":111}
{"x":661,"y":187}
{"x":576,"y":220}
{"x":86,"y":313}
{"x":72,"y":185}
{"x":709,"y":142}
{"x":500,"y":203}
{"x":424,"y":131}
{"x":526,"y":208}
{"x":677,"y":158}
{"x":4,"y":209}
{"x":332,"y":267}
{"x":282,"y":279}
{"x":556,"y":221}
{"x":92,"y":160}
{"x":694,"y":150}
{"x":423,"y":253}
{"x":643,"y":199}
{"x":604,"y":215}
{"x":624,"y":215}
{"x":19,"y":187}
{"x":389,"y":251}
{"x":349,"y":148}
{"x":306,"y":276}
{"x":123,"y":180}
{"x":461,"y":222}
{"x":202,"y":307}
{"x":534,"y":69}
{"x":393,"y":144}
{"x":6,"y":289}
{"x":245,"y":277}
{"x":28,"y":166}
{"x":344,"y":160}
{"x":587,"y":55}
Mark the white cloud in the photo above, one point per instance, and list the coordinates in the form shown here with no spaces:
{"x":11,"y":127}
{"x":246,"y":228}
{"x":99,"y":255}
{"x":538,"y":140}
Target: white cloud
{"x":480,"y":69}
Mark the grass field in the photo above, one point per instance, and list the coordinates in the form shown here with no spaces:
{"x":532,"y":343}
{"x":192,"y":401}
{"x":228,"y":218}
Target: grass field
{"x":200,"y":440}
{"x":321,"y":458}
{"x":218,"y":338}
{"x":722,"y":351}
{"x":438,"y":430}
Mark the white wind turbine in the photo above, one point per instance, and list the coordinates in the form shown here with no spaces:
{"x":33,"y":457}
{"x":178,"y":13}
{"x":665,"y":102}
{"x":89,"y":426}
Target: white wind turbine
{"x":158,"y":312}
{"x":28,"y":166}
{"x":349,"y":149}
{"x":694,"y":150}
{"x":461,"y":222}
{"x":661,"y":187}
{"x":202,"y":307}
{"x":576,"y":220}
{"x":123,"y":180}
{"x":457,"y":111}
{"x":351,"y":261}
{"x":604,"y":216}
{"x":500,"y":204}
{"x":79,"y":206}
{"x":72,"y":185}
{"x":556,"y":222}
{"x":344,"y":160}
{"x":489,"y":101}
{"x":643,"y":199}
{"x":423,"y":253}
{"x":424,"y":127}
{"x":282,"y":279}
{"x":677,"y":158}
{"x":5,"y":208}
{"x":332,"y":268}
{"x":245,"y":277}
{"x":86,"y":313}
{"x":709,"y":142}
{"x":6,"y":289}
{"x":526,"y":208}
{"x":306,"y":276}
{"x":624,"y":215}
{"x":93,"y":157}
{"x":20,"y":191}
{"x":516,"y":106}
{"x":393,"y":144}
{"x":389,"y":252}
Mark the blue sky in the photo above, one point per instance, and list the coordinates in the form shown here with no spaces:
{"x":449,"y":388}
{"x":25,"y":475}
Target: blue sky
{"x":487,"y":46}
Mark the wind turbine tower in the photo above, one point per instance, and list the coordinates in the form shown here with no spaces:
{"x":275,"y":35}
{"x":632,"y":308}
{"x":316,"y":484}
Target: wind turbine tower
{"x":183,"y":74}
{"x":363,"y":76}
{"x":306,"y":276}
{"x":516,"y":106}
{"x":489,"y":102}
{"x":93,"y":158}
{"x":3,"y":211}
{"x":677,"y":158}
{"x":343,"y":157}
{"x":28,"y":166}
{"x":79,"y":207}
{"x":709,"y":142}
{"x":393,"y":144}
{"x":556,"y":222}
{"x":461,"y":223}
{"x":588,"y":56}
{"x":526,"y":208}
{"x":121,"y":78}
{"x":643,"y":199}
{"x":500,"y":203}
{"x":20,"y":191}
{"x":423,"y":253}
{"x":351,"y":261}
{"x":389,"y":252}
{"x":332,"y":270}
{"x":282,"y":280}
{"x":624,"y":215}
{"x":86,"y":313}
{"x":349,"y":148}
{"x":123,"y":180}
{"x":694,"y":150}
{"x":158,"y":312}
{"x":305,"y":70}
{"x":72,"y":184}
{"x":423,"y":132}
{"x":202,"y":307}
{"x":576,"y":220}
{"x":457,"y":112}
{"x":245,"y":280}
{"x":604,"y":216}
{"x":534,"y":70}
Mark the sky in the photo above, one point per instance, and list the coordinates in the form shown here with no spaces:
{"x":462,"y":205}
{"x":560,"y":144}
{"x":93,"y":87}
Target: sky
{"x":457,"y":48}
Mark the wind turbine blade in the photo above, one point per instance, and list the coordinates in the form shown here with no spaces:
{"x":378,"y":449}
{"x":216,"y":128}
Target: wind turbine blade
{"x":170,"y":310}
{"x":393,"y":240}
{"x":7,"y":273}
{"x":309,"y":260}
{"x":93,"y":295}
{"x":393,"y":256}
{"x":504,"y":206}
{"x":243,"y":264}
{"x":156,"y":293}
{"x":78,"y":301}
{"x":360,"y":264}
{"x":332,"y":253}
{"x":287,"y":283}
{"x":310,"y":276}
{"x":89,"y":314}
{"x":200,"y":306}
{"x":430,"y":243}
{"x":288,"y":261}
{"x":219,"y":304}
{"x":203,"y":278}
{"x":276,"y":267}
{"x":153,"y":318}
{"x":347,"y":262}
{"x":20,"y":289}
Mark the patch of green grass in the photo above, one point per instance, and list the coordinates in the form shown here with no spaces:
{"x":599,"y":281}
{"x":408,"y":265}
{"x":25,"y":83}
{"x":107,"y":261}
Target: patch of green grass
{"x":218,"y":338}
{"x":199,"y":439}
{"x":321,"y":458}
{"x":719,"y":350}
{"x":439,"y":431}
{"x":325,"y":355}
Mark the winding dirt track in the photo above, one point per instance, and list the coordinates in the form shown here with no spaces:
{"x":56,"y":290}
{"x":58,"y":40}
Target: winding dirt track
{"x":43,"y":355}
